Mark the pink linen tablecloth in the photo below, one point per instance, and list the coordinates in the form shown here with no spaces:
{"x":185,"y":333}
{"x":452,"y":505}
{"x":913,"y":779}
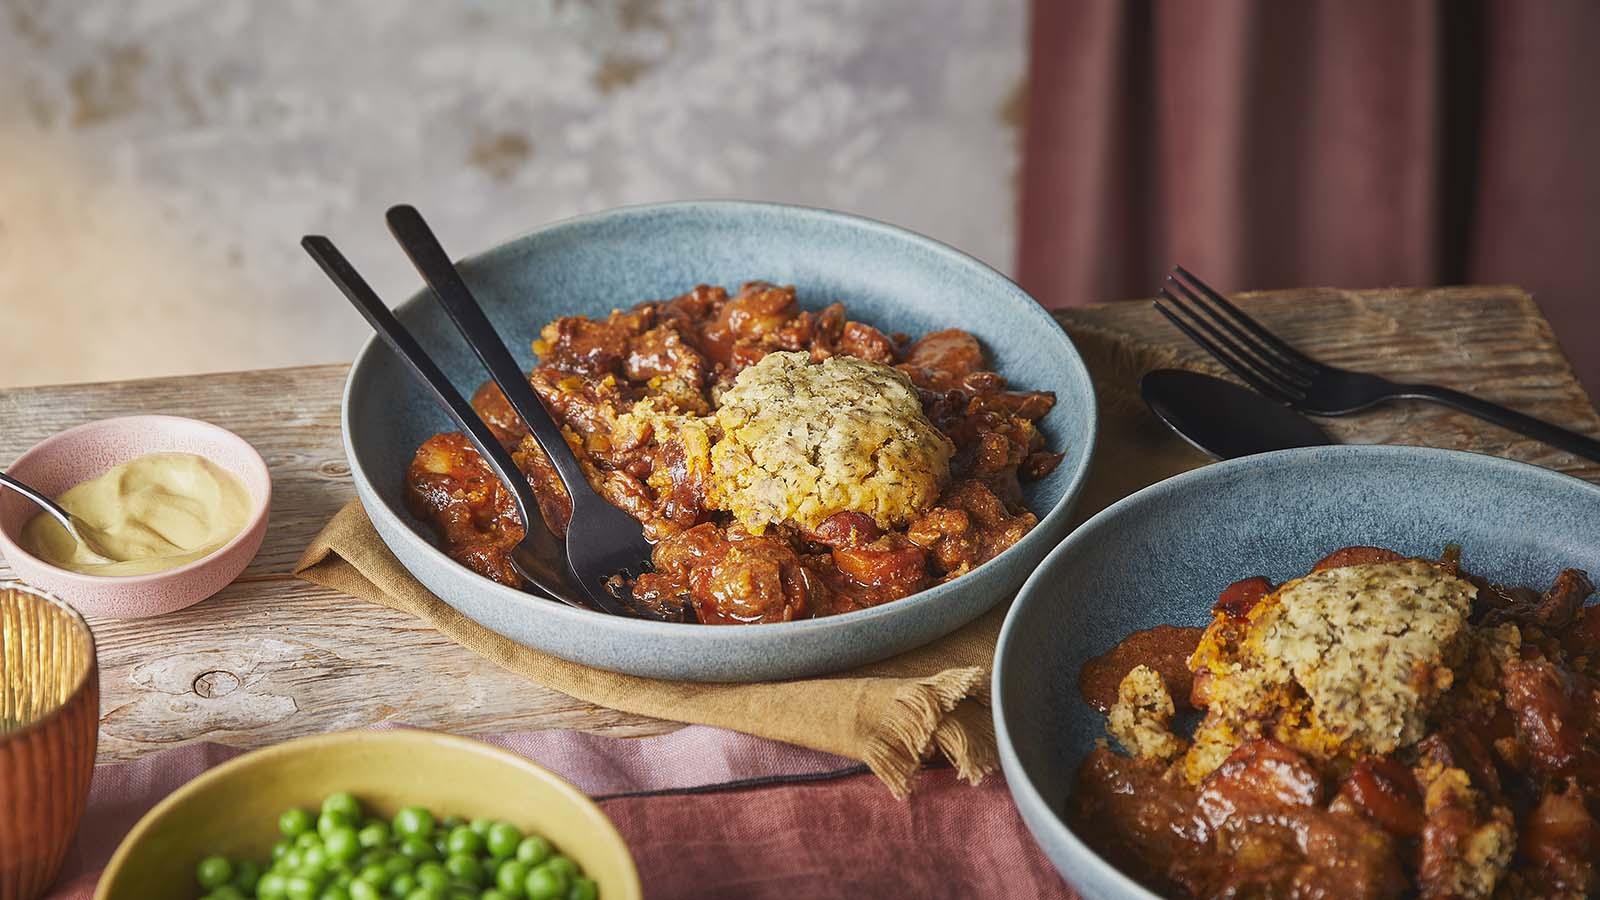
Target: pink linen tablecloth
{"x":708,"y":814}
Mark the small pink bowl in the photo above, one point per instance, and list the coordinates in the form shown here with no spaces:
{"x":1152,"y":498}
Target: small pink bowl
{"x":78,"y":454}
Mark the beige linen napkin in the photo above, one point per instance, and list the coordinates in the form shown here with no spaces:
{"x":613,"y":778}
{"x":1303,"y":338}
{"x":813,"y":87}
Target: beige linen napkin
{"x":890,"y":715}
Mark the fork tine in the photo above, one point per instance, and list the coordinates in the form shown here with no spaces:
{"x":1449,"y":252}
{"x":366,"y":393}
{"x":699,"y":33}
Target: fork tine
{"x":1265,"y":356}
{"x":1284,"y":350}
{"x":1249,"y":376}
{"x":1287,"y":383}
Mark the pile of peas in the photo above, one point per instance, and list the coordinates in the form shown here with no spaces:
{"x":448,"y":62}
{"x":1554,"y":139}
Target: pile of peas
{"x":342,"y":855}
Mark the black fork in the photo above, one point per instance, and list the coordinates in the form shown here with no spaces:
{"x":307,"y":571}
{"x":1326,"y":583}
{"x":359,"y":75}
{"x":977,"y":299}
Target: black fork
{"x":606,"y":547}
{"x":1275,"y":368}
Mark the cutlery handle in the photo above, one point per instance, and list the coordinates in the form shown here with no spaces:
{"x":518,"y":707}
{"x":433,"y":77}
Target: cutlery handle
{"x":419,"y":243}
{"x":45,"y":503}
{"x":364,"y":299}
{"x":1538,"y":429}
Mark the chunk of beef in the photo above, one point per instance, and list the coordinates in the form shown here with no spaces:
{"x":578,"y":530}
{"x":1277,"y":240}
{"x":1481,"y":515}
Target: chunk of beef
{"x":1552,"y":710}
{"x":941,"y":360}
{"x":581,"y":345}
{"x":1385,"y":792}
{"x":867,"y":343}
{"x":1556,"y":608}
{"x":662,"y":352}
{"x":1559,"y":847}
{"x":732,"y":576}
{"x":1261,"y":771}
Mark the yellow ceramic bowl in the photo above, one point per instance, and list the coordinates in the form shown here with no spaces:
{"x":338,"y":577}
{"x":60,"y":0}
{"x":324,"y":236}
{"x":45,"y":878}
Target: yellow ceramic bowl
{"x":233,"y":809}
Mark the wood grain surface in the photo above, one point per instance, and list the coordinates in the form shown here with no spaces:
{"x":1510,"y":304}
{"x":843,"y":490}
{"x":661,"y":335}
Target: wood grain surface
{"x":271,"y":657}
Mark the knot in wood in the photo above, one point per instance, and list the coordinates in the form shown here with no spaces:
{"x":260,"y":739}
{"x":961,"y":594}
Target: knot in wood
{"x":216,"y":684}
{"x":334,"y":468}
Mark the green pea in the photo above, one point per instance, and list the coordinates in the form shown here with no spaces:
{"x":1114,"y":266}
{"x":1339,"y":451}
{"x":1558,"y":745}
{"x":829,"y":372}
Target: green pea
{"x":334,"y":892}
{"x":375,"y":834}
{"x":563,"y":865}
{"x":342,"y":844}
{"x":510,"y":876}
{"x":330,"y":822}
{"x":533,"y":850}
{"x":307,"y":839}
{"x":492,"y":894}
{"x":418,"y":849}
{"x":545,"y":883}
{"x":364,"y":890}
{"x":279,"y":848}
{"x":294,"y":860}
{"x":372,"y":873}
{"x":426,"y":893}
{"x":272,"y":886}
{"x":413,"y":821}
{"x":583,"y":889}
{"x":343,"y":877}
{"x":502,"y":840}
{"x":398,"y":865}
{"x":465,"y":867}
{"x":294,"y":822}
{"x":213,"y":872}
{"x":480,"y":827}
{"x":441,"y":846}
{"x":344,"y":804}
{"x":299,"y":887}
{"x":402,"y":885}
{"x":226,"y":892}
{"x":432,"y":874}
{"x":463,"y":839}
{"x":314,"y":861}
{"x":451,"y":823}
{"x":246,"y":875}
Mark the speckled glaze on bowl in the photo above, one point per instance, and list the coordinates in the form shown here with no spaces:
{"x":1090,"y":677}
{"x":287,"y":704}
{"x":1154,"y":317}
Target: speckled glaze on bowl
{"x":78,"y":454}
{"x":1161,"y":556}
{"x":233,"y":809}
{"x":885,"y":276}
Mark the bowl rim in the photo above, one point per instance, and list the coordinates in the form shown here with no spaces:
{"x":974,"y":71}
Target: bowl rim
{"x":1023,"y":790}
{"x":92,"y":670}
{"x":261,"y":755}
{"x":1088,"y":414}
{"x":252,"y":459}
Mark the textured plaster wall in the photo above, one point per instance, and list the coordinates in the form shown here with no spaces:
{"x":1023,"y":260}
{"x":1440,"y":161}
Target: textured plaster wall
{"x":159,"y":159}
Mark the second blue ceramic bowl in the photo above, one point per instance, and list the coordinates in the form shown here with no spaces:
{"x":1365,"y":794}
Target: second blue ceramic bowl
{"x":1162,"y":555}
{"x":885,"y":276}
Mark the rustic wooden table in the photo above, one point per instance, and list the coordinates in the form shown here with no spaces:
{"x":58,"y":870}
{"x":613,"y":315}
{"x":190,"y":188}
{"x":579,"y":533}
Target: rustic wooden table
{"x":272,"y":657}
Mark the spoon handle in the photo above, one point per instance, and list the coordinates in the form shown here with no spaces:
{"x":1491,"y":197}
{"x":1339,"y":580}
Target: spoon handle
{"x":361,"y":295}
{"x":442,"y":276}
{"x":43,"y":502}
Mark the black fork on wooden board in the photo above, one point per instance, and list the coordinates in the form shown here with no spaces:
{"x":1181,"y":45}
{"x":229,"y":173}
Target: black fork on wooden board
{"x":1275,"y":368}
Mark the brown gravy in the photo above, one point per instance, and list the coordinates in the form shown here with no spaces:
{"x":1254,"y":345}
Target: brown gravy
{"x":1165,"y":648}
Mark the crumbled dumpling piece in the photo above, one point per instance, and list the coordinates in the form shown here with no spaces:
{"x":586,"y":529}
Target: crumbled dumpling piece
{"x":1342,"y":663}
{"x":1467,"y":843}
{"x":1141,"y":719}
{"x":1481,"y":675}
{"x":801,"y":441}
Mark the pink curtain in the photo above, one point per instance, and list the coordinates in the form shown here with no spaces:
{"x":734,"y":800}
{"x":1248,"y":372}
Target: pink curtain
{"x":1357,"y":143}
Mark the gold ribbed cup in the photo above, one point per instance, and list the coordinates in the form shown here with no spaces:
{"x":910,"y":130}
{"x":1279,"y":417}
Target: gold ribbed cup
{"x":49,"y":723}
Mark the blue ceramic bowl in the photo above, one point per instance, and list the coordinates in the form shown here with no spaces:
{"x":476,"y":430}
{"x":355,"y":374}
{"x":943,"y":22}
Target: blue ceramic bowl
{"x":885,"y":276}
{"x":1161,"y":556}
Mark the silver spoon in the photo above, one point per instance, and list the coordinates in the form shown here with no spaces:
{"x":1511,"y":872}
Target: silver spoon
{"x":81,"y":531}
{"x":1224,"y":419}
